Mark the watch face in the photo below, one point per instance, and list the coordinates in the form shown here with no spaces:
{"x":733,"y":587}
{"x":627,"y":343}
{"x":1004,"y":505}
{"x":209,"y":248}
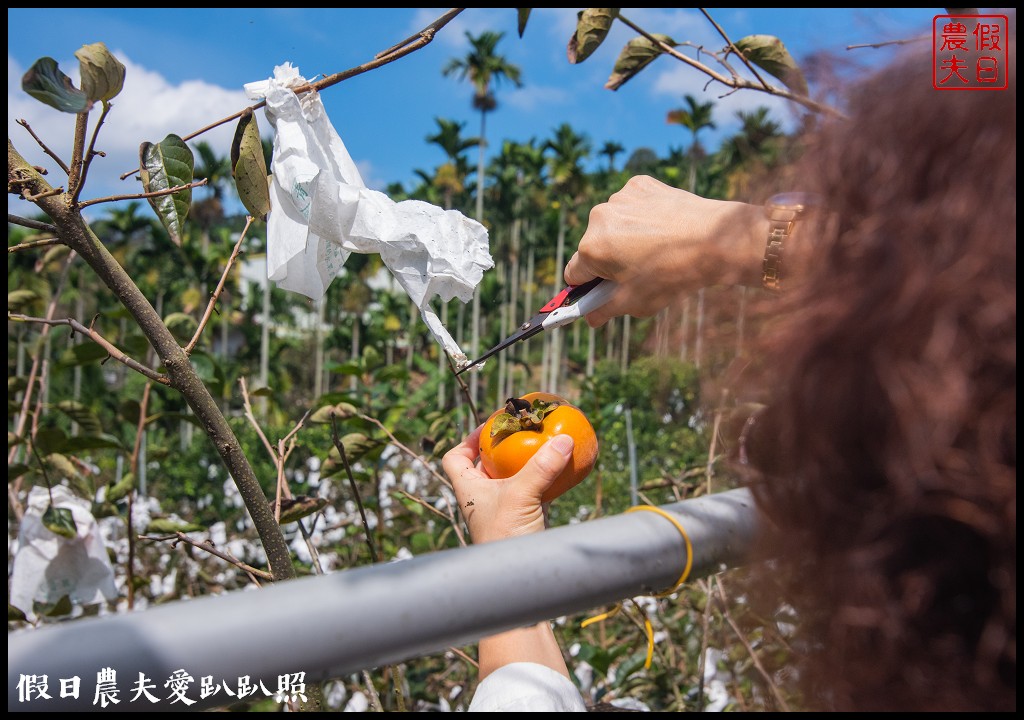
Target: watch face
{"x":794,"y":200}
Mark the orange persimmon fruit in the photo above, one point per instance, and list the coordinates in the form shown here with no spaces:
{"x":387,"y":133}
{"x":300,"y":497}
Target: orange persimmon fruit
{"x":515,"y":432}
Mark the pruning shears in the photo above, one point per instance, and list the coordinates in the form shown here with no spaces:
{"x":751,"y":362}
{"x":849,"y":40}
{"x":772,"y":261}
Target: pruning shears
{"x":570,"y":304}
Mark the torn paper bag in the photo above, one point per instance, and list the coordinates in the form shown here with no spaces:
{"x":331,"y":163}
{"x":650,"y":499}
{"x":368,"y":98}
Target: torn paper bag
{"x":48,"y":566}
{"x":321,"y":211}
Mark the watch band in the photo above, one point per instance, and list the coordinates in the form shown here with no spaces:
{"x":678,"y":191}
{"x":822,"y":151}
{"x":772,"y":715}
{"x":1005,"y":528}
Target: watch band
{"x":783,"y":211}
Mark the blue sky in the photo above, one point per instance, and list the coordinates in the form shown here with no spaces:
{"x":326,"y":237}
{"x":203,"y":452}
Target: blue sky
{"x":186,"y":68}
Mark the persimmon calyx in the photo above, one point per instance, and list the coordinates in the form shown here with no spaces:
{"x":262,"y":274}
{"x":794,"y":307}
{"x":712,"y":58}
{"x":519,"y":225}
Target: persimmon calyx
{"x":521,"y":415}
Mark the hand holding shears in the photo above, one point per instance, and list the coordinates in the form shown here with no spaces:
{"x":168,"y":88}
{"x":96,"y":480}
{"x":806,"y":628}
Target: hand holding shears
{"x":571,"y":304}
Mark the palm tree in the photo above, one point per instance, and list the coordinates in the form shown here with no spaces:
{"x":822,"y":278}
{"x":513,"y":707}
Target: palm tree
{"x":450,"y":176}
{"x":568,"y":182}
{"x":695,"y":117}
{"x":609,"y":150}
{"x":482,"y":66}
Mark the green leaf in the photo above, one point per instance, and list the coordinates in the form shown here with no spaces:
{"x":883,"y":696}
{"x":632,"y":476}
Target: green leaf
{"x":249,"y":167}
{"x":357,"y":445}
{"x":18,"y":299}
{"x":349,"y":368}
{"x":50,"y":440}
{"x":165,"y":165}
{"x":60,"y":521}
{"x":168,"y":526}
{"x":769,"y":54}
{"x":135,"y":345}
{"x":298,"y":507}
{"x":181,"y":325}
{"x":54,"y":255}
{"x":61,"y":607}
{"x":121,"y":488}
{"x":14,"y":614}
{"x":15,"y":385}
{"x":102,"y":73}
{"x":524,"y":15}
{"x":88,"y":421}
{"x":421,"y":543}
{"x":46,"y":83}
{"x":371,"y":358}
{"x":15,"y":471}
{"x":592,"y":25}
{"x":635,"y":56}
{"x":391,"y":373}
{"x":262,"y":392}
{"x":79,"y":443}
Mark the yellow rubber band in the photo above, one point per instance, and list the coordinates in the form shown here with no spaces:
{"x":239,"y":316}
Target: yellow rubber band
{"x":686,"y":539}
{"x":648,"y":628}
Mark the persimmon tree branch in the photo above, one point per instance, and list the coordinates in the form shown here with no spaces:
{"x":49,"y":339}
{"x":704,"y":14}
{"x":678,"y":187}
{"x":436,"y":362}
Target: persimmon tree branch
{"x":750,"y":65}
{"x":90,"y":153}
{"x":31,"y":224}
{"x":734,"y":81}
{"x":31,"y":244}
{"x":219,"y":289}
{"x":75,"y":232}
{"x":209,"y":547}
{"x":48,"y":151}
{"x":395,"y":52}
{"x":91,"y":333}
{"x":139,"y":196}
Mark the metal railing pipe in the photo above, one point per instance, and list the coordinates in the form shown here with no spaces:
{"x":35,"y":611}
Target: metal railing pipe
{"x":331,"y":625}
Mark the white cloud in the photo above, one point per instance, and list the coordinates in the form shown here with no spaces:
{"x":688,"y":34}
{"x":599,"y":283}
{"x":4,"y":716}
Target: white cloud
{"x":148,"y":108}
{"x":532,"y":97}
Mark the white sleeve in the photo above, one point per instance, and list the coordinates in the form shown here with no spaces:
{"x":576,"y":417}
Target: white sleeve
{"x":526,"y":687}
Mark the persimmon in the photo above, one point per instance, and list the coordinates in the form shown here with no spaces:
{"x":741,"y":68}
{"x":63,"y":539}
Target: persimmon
{"x":515,"y":432}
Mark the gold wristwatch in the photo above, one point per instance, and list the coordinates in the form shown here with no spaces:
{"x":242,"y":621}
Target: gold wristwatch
{"x":782,"y":210}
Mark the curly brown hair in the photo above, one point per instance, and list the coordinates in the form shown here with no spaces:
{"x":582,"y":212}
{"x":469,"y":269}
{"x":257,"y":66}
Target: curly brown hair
{"x":891,"y":481}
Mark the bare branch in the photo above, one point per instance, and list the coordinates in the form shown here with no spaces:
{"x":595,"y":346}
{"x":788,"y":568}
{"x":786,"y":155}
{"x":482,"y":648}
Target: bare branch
{"x":133,"y":468}
{"x":45,"y":194}
{"x":735,"y":49}
{"x":220,"y":288}
{"x":407,"y":46}
{"x":733,"y":82}
{"x":441,"y":478}
{"x":31,"y":224}
{"x":78,"y":153}
{"x":905,"y":41}
{"x":138,"y":196}
{"x":99,"y":340}
{"x":90,"y":153}
{"x":48,"y":151}
{"x":355,"y":488}
{"x":750,"y":651}
{"x":32,"y":244}
{"x":209,"y":547}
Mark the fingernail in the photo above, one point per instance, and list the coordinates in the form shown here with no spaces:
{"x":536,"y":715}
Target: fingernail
{"x":561,"y":443}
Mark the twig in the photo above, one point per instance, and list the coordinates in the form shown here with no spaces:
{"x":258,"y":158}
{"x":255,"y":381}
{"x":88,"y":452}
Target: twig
{"x":423,"y":503}
{"x":220,"y":288}
{"x":735,"y":82}
{"x":905,"y":41}
{"x":464,"y":388}
{"x":133,"y":468}
{"x":252,"y":420}
{"x":31,"y":224}
{"x":45,"y":194}
{"x":441,"y":478}
{"x":32,"y":244}
{"x":99,"y":340}
{"x":473,"y":663}
{"x":48,"y":151}
{"x":78,"y":151}
{"x":209,"y":547}
{"x":374,"y":697}
{"x":750,"y":651}
{"x":138,"y":196}
{"x":355,"y":488}
{"x":395,"y":52}
{"x":750,"y":66}
{"x":90,"y":152}
{"x":704,"y":638}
